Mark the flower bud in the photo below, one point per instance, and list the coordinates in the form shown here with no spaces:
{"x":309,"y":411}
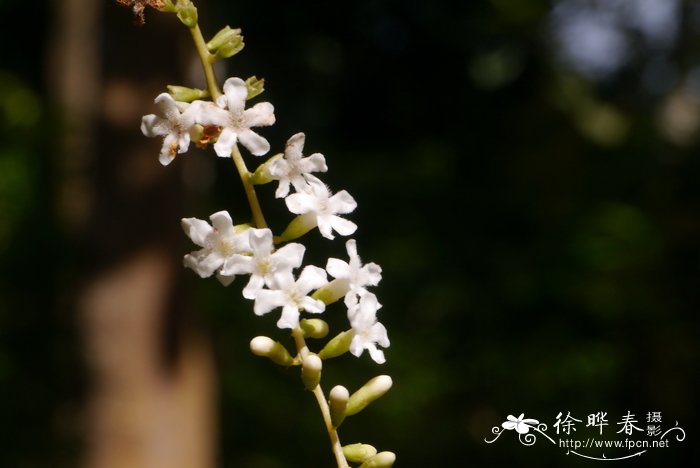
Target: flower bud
{"x":358,"y":453}
{"x":255,"y":86}
{"x":187,"y":13}
{"x":380,"y":460}
{"x":337,"y":402}
{"x":185,"y":94}
{"x":332,"y":291}
{"x":340,"y":344}
{"x":311,"y":371}
{"x":222,"y":37}
{"x":369,"y":392}
{"x":314,"y":328}
{"x":275,"y":351}
{"x":299,"y":226}
{"x":262,"y":175}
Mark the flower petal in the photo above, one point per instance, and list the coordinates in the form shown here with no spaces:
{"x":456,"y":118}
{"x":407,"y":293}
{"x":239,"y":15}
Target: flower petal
{"x":236,"y":93}
{"x":289,"y":318}
{"x":256,"y":144}
{"x":267,"y":299}
{"x":224,"y":144}
{"x":300,"y":203}
{"x":197,"y":230}
{"x":337,"y":268}
{"x":311,"y":277}
{"x":294,"y":146}
{"x":342,"y":202}
{"x":342,"y":226}
{"x":261,"y":114}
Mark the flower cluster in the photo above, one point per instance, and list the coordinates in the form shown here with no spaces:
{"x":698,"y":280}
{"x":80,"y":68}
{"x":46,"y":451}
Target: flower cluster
{"x":273,"y":267}
{"x":229,"y":250}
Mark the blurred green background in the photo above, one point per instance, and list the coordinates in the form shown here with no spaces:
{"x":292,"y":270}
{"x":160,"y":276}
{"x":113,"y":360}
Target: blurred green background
{"x":527,"y":175}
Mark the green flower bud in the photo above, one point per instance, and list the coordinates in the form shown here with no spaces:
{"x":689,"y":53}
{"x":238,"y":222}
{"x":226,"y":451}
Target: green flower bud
{"x":255,"y":86}
{"x":311,"y":371}
{"x":262,"y":175}
{"x":337,"y":402}
{"x":230,"y":49}
{"x":369,"y":392}
{"x":358,"y":453}
{"x":185,"y":94}
{"x":275,"y":351}
{"x":314,"y":328}
{"x":332,"y":291}
{"x":380,"y":460}
{"x":340,"y":344}
{"x":222,"y":37}
{"x":187,"y":13}
{"x":298,"y":227}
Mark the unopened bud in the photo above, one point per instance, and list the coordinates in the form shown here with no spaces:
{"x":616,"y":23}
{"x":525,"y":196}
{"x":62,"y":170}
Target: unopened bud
{"x":275,"y":351}
{"x":380,"y":460}
{"x":340,"y":344}
{"x":311,"y":371}
{"x":369,"y":392}
{"x":358,"y":453}
{"x":187,"y":13}
{"x":262,"y":175}
{"x":314,"y":328}
{"x":255,"y":86}
{"x":222,"y":37}
{"x":185,"y":94}
{"x":337,"y":402}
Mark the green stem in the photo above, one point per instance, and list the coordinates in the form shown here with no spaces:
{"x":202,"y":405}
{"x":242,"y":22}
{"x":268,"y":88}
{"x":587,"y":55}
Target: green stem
{"x":258,"y":218}
{"x":204,"y":57}
{"x":322,"y":404}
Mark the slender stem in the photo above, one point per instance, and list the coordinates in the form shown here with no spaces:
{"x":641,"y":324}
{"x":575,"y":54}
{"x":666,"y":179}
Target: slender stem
{"x":204,"y":57}
{"x":322,"y":404}
{"x":258,"y":218}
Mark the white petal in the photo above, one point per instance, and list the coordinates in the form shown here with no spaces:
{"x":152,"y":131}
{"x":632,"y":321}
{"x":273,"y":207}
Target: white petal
{"x":205,"y":266}
{"x":290,"y":256}
{"x":224,"y":144}
{"x":222,"y":222}
{"x":325,"y":226}
{"x":342,"y":226}
{"x":210,"y":114}
{"x":376,"y":354}
{"x":261,"y":241}
{"x":311,"y":277}
{"x":371,"y":274}
{"x":282,"y":189}
{"x":294,"y":147}
{"x":314,"y":163}
{"x":289,"y":318}
{"x":152,"y":126}
{"x":239,"y":265}
{"x":261,"y":114}
{"x":266,"y":300}
{"x":255,"y":285}
{"x":196,"y":229}
{"x":166,"y":105}
{"x":169,"y":149}
{"x":300,"y":203}
{"x":236,"y":93}
{"x":313,"y":306}
{"x":256,"y":144}
{"x":342,"y":202}
{"x":338,"y":268}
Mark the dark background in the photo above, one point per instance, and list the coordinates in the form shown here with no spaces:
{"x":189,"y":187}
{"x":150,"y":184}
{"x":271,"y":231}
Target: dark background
{"x":533,"y":200}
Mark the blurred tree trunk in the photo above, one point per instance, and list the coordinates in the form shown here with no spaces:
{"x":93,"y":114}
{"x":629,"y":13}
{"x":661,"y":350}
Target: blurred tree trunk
{"x":152,"y":380}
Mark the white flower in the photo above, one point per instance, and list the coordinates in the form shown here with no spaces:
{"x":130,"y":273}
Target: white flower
{"x":220,"y":243}
{"x":353,"y":277}
{"x":174,"y":123}
{"x":291,"y":295}
{"x":323,"y":209}
{"x":293,"y":169}
{"x":237,"y":121}
{"x":368,"y":332}
{"x":263,"y":264}
{"x":521,"y":426}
